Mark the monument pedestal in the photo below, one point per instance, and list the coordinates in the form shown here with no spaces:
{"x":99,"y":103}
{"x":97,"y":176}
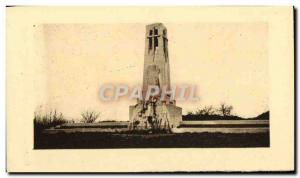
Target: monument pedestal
{"x":162,"y":116}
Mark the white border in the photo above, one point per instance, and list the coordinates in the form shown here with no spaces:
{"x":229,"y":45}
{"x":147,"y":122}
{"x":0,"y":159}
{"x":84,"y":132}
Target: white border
{"x":104,"y":2}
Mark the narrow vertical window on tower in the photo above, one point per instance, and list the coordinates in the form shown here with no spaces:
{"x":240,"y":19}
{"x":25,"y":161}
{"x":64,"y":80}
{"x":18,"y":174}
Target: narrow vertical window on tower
{"x":150,"y":40}
{"x":155,"y":38}
{"x":150,"y":43}
{"x":155,"y":42}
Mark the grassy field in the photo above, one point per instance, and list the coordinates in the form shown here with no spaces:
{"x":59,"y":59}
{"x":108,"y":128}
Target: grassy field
{"x":94,"y":140}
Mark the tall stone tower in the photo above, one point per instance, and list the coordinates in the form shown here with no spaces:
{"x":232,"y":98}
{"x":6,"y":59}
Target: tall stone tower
{"x":155,"y":113}
{"x":156,"y":60}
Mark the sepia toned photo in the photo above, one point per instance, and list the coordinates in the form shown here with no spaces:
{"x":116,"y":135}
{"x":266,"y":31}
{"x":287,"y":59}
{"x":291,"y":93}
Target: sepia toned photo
{"x":95,"y":100}
{"x":148,"y":81}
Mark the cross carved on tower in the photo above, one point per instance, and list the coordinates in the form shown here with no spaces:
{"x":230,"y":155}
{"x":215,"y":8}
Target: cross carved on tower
{"x":153,"y":38}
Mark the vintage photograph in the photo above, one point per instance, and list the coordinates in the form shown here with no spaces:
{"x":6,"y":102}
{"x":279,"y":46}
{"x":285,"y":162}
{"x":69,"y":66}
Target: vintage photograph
{"x":129,"y":89}
{"x":151,"y":86}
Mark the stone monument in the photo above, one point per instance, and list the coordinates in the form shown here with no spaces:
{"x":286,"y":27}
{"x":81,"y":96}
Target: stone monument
{"x":156,"y":113}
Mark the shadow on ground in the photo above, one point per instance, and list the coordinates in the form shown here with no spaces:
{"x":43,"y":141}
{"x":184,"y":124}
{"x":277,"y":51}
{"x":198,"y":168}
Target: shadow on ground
{"x":93,"y":140}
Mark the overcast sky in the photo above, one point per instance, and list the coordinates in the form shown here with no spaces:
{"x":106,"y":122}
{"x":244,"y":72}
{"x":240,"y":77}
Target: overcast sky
{"x":228,"y":62}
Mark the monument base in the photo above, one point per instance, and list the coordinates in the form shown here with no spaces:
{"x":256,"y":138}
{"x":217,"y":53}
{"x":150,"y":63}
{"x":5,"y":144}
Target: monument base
{"x":162,"y":116}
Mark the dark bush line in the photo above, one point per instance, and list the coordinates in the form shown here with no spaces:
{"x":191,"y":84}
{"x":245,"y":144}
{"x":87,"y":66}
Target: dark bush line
{"x":209,"y":117}
{"x":195,"y":117}
{"x":48,"y":120}
{"x":95,"y":126}
{"x":223,"y":126}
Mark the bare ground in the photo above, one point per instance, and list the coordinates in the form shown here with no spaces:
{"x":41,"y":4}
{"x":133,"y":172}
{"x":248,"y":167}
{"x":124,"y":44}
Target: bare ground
{"x":96,"y":140}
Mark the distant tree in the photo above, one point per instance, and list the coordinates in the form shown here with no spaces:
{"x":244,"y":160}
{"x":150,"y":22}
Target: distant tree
{"x":89,"y":116}
{"x":207,"y":110}
{"x":225,"y":110}
{"x":190,"y":113}
{"x":44,"y":120}
{"x":199,"y":112}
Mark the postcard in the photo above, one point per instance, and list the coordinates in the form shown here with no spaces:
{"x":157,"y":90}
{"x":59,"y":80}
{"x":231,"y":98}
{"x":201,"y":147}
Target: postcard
{"x":150,"y":89}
